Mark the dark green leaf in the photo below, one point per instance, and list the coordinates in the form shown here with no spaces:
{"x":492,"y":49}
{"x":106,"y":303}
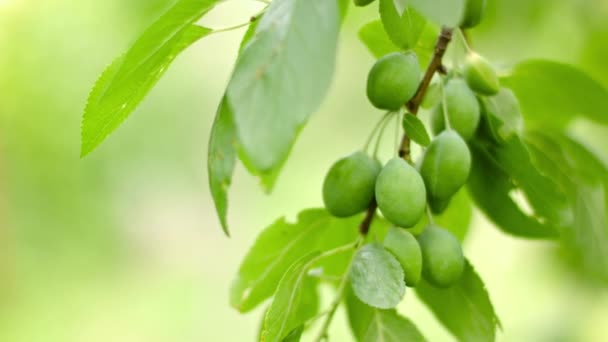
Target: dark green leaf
{"x":372,"y":325}
{"x":280,"y":78}
{"x":490,"y":187}
{"x":294,"y":302}
{"x":552,"y":94}
{"x":221,"y":154}
{"x":503,"y":114}
{"x":404,"y":28}
{"x":377,"y":277}
{"x":464,"y":309}
{"x":376,"y":39}
{"x":441,"y":12}
{"x":415,"y":130}
{"x":125,"y":83}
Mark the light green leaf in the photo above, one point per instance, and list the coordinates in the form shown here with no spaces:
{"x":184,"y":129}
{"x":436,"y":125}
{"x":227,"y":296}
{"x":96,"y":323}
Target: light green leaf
{"x":405,"y":27}
{"x":280,"y":78}
{"x":415,"y":130}
{"x":291,"y":306}
{"x":464,"y":309}
{"x":375,"y":38}
{"x":377,"y":277}
{"x":372,"y":325}
{"x":125,"y":83}
{"x":221,"y":154}
{"x":275,"y":249}
{"x":585,"y":179}
{"x":552,"y":94}
{"x":441,"y":12}
{"x":489,"y":187}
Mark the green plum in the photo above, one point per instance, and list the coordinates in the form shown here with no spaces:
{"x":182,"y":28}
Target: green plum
{"x":473,"y":13}
{"x":446,"y":165}
{"x":463,"y":110}
{"x":348,"y":188}
{"x":404,"y":246}
{"x":480,"y":75}
{"x":400,"y":193}
{"x":442,"y":257}
{"x":393,"y":80}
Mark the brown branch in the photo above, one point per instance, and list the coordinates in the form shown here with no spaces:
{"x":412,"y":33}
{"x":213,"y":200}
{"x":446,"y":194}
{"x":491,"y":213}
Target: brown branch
{"x":436,"y":65}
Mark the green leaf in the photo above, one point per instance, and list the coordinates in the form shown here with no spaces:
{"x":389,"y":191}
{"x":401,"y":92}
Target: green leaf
{"x":464,"y":309}
{"x":585,"y":179}
{"x":275,"y":249}
{"x":545,"y":196}
{"x":371,"y":324}
{"x":490,"y":187}
{"x":552,"y":94}
{"x":221,"y":160}
{"x":503,"y":115}
{"x":415,"y":130}
{"x":441,"y":12}
{"x":405,"y":27}
{"x":280,"y":78}
{"x":377,"y":277}
{"x":221,"y":154}
{"x":294,"y":302}
{"x":125,"y":83}
{"x":375,"y":38}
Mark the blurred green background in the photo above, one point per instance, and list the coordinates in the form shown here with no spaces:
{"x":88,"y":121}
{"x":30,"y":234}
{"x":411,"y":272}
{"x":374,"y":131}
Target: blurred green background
{"x":125,"y":246}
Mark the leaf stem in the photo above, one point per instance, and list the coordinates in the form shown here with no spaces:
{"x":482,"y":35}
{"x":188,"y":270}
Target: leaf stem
{"x":338,"y":298}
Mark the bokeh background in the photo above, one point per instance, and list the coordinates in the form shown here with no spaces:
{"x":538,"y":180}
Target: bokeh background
{"x":125,"y":246}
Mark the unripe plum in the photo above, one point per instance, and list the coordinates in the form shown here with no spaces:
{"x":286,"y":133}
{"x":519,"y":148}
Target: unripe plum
{"x":442,"y":256}
{"x":404,"y":246}
{"x":480,"y":75}
{"x":446,"y":165}
{"x":348,"y":188}
{"x":463,"y":110}
{"x":362,"y":3}
{"x":473,"y":13}
{"x":400,"y":193}
{"x":393,"y":80}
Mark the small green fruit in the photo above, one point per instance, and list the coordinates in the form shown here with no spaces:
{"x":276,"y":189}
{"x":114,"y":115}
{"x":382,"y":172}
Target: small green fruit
{"x":400,"y":193}
{"x":446,"y":165}
{"x":348,"y":188}
{"x":463,"y":110}
{"x":393,"y":80}
{"x":362,"y":3}
{"x":437,"y":205}
{"x":403,"y":245}
{"x":442,"y":256}
{"x":473,"y":12}
{"x":480,"y":75}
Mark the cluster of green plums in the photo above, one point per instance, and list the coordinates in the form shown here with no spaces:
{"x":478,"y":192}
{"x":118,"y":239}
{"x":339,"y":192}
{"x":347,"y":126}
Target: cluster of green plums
{"x":403,"y":190}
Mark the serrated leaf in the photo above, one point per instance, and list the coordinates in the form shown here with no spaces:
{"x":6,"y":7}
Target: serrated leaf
{"x":280,"y":78}
{"x":377,"y":277}
{"x":489,"y":187}
{"x":464,"y":309}
{"x":221,"y":153}
{"x":552,"y":94}
{"x":441,"y":12}
{"x":125,"y":83}
{"x":291,"y":306}
{"x":585,"y":178}
{"x":404,"y":27}
{"x":371,"y":324}
{"x":275,"y":249}
{"x":415,"y":130}
{"x":375,"y":38}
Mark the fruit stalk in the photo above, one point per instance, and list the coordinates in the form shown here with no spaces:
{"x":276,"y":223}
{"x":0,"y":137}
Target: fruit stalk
{"x":436,"y":65}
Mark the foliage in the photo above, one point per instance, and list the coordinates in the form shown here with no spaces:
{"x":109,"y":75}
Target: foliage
{"x":517,"y":135}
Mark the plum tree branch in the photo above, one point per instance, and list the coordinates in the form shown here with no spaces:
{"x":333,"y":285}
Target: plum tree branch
{"x":413,"y":105}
